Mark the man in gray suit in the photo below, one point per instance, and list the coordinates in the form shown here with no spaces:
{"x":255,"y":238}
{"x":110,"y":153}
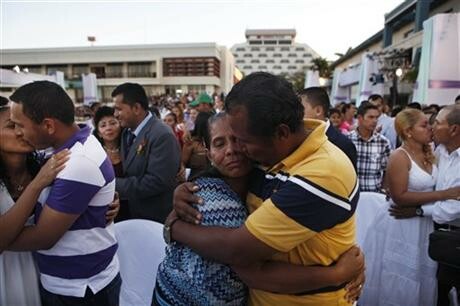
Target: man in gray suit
{"x":150,"y":155}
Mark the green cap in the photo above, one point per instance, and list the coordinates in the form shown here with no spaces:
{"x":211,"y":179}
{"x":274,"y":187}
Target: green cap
{"x":202,"y":98}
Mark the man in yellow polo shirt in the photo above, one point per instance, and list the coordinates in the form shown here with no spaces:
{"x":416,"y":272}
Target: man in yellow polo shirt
{"x":302,"y":199}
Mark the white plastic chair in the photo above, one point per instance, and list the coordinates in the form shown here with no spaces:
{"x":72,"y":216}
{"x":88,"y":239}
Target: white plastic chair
{"x":369,"y":204}
{"x":141,"y":248}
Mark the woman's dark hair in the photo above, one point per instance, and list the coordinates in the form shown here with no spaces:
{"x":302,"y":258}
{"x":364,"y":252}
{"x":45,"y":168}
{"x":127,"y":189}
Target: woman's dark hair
{"x":103,"y":111}
{"x":171,"y":114}
{"x":201,"y":130}
{"x":33,"y":159}
{"x":210,"y":171}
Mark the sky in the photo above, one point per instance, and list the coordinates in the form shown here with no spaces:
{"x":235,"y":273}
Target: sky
{"x":327,"y":26}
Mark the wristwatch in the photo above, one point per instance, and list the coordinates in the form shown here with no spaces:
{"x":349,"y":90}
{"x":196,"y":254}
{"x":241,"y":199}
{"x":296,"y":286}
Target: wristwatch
{"x":419,"y":211}
{"x":167,"y":230}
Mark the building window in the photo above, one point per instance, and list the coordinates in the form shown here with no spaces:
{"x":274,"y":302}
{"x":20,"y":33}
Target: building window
{"x":292,"y":67}
{"x":139,"y":70}
{"x":51,"y":69}
{"x":235,"y":55}
{"x":255,"y":49}
{"x":307,"y":55}
{"x":299,"y":61}
{"x":270,"y":61}
{"x":262,"y":55}
{"x":270,"y":42}
{"x":255,"y":61}
{"x":114,"y":70}
{"x":284,"y":48}
{"x":277,"y":67}
{"x":99,"y":71}
{"x":34,"y":69}
{"x":240,"y":61}
{"x":247,"y":67}
{"x":277,"y":55}
{"x":270,"y":49}
{"x":300,"y":49}
{"x":255,"y":42}
{"x":191,"y":66}
{"x":284,"y":42}
{"x":240,"y":49}
{"x":107,"y":93}
{"x":292,"y":55}
{"x":247,"y":55}
{"x":197,"y":88}
{"x":284,"y":61}
{"x":263,"y":67}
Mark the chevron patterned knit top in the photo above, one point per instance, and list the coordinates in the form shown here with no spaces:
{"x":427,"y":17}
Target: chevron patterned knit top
{"x":184,"y":277}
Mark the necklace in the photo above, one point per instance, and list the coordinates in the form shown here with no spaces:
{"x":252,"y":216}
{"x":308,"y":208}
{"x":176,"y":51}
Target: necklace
{"x":20,"y":185}
{"x":113,"y":151}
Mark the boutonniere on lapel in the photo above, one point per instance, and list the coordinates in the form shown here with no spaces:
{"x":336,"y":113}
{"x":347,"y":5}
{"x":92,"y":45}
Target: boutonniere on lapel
{"x":141,"y":147}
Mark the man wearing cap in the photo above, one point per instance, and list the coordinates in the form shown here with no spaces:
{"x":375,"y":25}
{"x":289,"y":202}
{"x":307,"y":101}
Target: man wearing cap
{"x":203,"y":103}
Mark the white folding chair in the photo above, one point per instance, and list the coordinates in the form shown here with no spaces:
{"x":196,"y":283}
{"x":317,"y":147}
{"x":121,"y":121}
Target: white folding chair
{"x":369,"y":204}
{"x":140,"y":250}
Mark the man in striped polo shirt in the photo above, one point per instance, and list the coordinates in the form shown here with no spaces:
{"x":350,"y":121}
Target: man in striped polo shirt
{"x":75,"y":249}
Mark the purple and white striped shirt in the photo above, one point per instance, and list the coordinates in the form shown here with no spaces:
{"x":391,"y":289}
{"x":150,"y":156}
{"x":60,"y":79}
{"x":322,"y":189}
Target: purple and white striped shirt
{"x":85,"y":256}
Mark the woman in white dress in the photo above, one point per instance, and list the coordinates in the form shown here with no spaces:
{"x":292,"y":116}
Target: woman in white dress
{"x":399,"y":270}
{"x":18,"y":167}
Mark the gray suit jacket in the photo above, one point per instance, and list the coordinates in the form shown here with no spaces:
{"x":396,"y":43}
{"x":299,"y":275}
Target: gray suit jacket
{"x":150,"y":169}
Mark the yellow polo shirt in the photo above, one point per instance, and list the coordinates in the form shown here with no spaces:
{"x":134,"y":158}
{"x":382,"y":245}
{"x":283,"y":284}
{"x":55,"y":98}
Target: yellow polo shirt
{"x":304,"y":208}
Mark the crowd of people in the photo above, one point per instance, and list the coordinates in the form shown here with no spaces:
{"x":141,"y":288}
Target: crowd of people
{"x":257,"y":192}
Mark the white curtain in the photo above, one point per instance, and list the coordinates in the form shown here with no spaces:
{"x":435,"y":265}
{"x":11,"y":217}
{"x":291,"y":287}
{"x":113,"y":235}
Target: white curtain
{"x":369,"y":67}
{"x":438,"y":80}
{"x":338,"y":93}
{"x":311,"y":78}
{"x":89,"y":88}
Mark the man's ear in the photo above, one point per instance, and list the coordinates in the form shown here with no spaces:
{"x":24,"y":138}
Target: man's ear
{"x":319,"y":111}
{"x":49,"y":125}
{"x":282,"y":132}
{"x":137,"y":108}
{"x":454,"y":130}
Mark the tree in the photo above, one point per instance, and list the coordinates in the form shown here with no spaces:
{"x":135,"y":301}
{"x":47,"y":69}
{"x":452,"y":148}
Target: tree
{"x":297,"y":79}
{"x":321,"y":65}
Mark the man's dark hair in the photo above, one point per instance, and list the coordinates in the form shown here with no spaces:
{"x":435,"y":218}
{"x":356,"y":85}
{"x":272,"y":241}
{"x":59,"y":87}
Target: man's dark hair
{"x":453,"y":115}
{"x":365,"y":107}
{"x":374,"y":97}
{"x":3,"y":101}
{"x":132,"y":93}
{"x":317,"y":96}
{"x":45,"y":99}
{"x":415,"y":105}
{"x":269,"y":101}
{"x":457,"y":99}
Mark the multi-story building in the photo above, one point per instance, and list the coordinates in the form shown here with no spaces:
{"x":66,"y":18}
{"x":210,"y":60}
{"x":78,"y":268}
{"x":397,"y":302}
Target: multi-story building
{"x":274,"y":51}
{"x":162,"y":68}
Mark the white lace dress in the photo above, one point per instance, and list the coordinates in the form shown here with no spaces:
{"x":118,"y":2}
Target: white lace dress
{"x":398,"y":268}
{"x":18,"y":275}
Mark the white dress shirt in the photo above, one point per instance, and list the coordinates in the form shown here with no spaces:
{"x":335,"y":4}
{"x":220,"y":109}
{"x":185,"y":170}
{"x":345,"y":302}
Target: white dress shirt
{"x":446,"y":212}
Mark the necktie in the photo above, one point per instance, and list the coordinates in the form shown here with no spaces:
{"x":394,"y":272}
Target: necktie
{"x":129,"y":141}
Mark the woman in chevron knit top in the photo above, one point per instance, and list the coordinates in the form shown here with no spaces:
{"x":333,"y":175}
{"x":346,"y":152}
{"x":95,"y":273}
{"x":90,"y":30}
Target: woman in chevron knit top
{"x":184,"y":277}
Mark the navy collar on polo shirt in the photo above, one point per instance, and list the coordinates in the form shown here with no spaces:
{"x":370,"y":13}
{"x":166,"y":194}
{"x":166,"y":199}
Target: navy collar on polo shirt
{"x":81,"y":135}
